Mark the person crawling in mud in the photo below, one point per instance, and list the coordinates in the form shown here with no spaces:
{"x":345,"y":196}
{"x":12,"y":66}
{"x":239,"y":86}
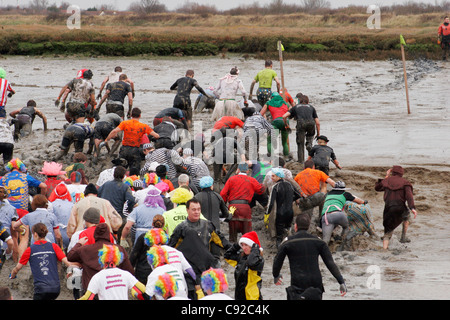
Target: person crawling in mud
{"x":82,"y":99}
{"x":76,"y":133}
{"x":182,"y":99}
{"x":23,"y":119}
{"x":102,"y":129}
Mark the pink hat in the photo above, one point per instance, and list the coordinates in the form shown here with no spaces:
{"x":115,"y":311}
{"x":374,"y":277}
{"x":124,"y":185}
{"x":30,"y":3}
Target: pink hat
{"x":52,"y":169}
{"x":250,"y":238}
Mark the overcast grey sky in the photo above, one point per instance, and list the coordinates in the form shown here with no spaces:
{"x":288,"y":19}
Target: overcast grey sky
{"x":220,"y":4}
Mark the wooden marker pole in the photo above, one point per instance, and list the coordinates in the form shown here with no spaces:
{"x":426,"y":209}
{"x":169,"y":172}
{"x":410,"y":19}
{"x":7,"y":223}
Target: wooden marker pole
{"x":402,"y":45}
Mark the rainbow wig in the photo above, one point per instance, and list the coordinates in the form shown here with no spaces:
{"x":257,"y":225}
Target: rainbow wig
{"x":109,"y":255}
{"x":16,"y":164}
{"x":166,"y":286}
{"x":151,"y":178}
{"x":156,"y":236}
{"x":129,"y":180}
{"x":157,"y":256}
{"x":214,"y":280}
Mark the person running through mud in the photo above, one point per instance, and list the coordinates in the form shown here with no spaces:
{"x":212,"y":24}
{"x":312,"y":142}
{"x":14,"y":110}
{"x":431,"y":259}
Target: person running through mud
{"x":333,"y":213}
{"x":303,"y":250}
{"x":307,"y":123}
{"x":265,"y":78}
{"x":133,"y":131}
{"x":280,"y":212}
{"x":182,"y":99}
{"x":444,"y":37}
{"x":397,"y":193}
{"x":114,"y":77}
{"x":82,"y":100}
{"x":24,"y":118}
{"x":6,"y":91}
{"x":115,"y":97}
{"x":277,"y":107}
{"x":228,"y":88}
{"x":322,"y":154}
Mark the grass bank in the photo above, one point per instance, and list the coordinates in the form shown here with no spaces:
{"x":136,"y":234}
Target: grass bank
{"x":342,"y":37}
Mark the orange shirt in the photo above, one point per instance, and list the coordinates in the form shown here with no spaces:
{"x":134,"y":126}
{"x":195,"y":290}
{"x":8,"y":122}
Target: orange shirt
{"x":133,"y":130}
{"x":309,"y":180}
{"x":228,"y":122}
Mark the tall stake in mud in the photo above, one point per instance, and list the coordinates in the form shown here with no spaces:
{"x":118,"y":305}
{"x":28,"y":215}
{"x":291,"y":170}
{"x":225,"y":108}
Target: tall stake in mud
{"x":280,"y":53}
{"x":283,"y":89}
{"x":402,"y":45}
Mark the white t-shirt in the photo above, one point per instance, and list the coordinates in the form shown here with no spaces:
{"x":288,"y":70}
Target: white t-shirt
{"x":76,"y":191}
{"x":217,"y":296}
{"x":173,"y":271}
{"x":112,"y":284}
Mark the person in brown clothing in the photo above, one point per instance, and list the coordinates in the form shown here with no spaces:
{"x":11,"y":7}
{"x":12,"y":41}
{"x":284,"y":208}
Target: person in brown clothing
{"x":397,"y":192}
{"x":87,"y":255}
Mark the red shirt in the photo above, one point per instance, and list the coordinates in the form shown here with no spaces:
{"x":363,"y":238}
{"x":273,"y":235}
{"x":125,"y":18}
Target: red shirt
{"x":228,"y":122}
{"x":26,"y":254}
{"x":241,"y":187}
{"x":89,"y":232}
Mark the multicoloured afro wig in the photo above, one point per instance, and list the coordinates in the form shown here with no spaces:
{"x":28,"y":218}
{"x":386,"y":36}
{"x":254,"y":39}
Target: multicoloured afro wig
{"x":16,"y":164}
{"x":156,"y":236}
{"x":151,"y":178}
{"x":130,"y":180}
{"x":110,"y":256}
{"x":166,"y":287}
{"x":214,"y":280}
{"x":157,"y":256}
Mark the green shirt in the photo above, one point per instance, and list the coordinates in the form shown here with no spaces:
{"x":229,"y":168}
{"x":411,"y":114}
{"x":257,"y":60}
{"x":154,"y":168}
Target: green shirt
{"x":265,"y":78}
{"x":174,"y":217}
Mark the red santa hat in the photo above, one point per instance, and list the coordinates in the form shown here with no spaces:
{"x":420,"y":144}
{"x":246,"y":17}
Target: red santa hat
{"x":250,"y":238}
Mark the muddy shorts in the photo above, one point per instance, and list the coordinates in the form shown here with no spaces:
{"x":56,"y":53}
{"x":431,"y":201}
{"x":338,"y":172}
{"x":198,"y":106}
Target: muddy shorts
{"x":77,"y":135}
{"x":184,"y":104}
{"x":23,"y":124}
{"x":263,"y":95}
{"x":102,"y":130}
{"x":7,"y":150}
{"x":75,"y":110}
{"x":115,"y":108}
{"x":132,"y":155}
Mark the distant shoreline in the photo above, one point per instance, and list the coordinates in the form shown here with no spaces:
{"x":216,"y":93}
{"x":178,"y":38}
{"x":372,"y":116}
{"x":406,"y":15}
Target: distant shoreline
{"x":304,"y":37}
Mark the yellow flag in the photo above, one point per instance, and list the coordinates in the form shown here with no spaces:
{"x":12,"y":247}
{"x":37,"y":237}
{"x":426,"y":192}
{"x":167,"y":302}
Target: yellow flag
{"x":280,"y":46}
{"x":402,"y":40}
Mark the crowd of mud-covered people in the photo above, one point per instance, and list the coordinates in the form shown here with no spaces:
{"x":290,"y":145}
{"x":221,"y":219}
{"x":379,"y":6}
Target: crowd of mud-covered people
{"x":174,"y":204}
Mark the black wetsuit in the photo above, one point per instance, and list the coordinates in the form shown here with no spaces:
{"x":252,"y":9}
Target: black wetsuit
{"x":282,"y":196}
{"x":182,"y":99}
{"x":305,"y":115}
{"x":303,"y":251}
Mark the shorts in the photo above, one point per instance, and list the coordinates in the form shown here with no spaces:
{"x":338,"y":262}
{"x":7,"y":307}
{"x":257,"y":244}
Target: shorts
{"x":115,"y":108}
{"x":7,"y":150}
{"x":132,"y":155}
{"x":77,"y":135}
{"x":2,"y":112}
{"x":23,"y":124}
{"x":184,"y":104}
{"x":102,"y":130}
{"x":263,"y":95}
{"x":76,"y":110}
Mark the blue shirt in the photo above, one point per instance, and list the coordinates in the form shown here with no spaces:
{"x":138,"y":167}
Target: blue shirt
{"x":17,"y":184}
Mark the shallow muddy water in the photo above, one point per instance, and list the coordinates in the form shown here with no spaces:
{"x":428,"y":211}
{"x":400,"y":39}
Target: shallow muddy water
{"x":362,"y":109}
